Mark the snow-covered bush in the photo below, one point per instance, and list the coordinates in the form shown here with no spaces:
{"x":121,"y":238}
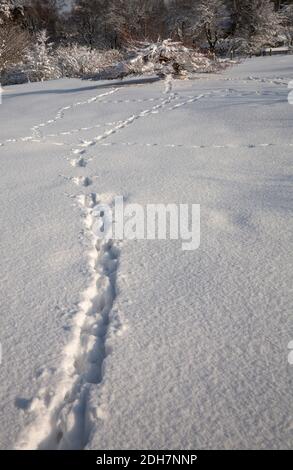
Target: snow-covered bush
{"x":81,"y":61}
{"x":22,"y":60}
{"x":261,"y":24}
{"x":14,"y":74}
{"x":161,"y":58}
{"x":40,"y":63}
{"x":238,"y":45}
{"x":169,"y":57}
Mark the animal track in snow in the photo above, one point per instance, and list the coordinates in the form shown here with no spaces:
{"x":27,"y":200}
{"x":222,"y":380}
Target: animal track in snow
{"x":188,"y":101}
{"x":273,"y":80}
{"x":38,"y":137}
{"x":61,"y":417}
{"x":36,"y":130}
{"x":215,"y":146}
{"x":168,"y":83}
{"x":81,"y":129}
{"x":133,"y":100}
{"x":124,"y":124}
{"x":79,"y":162}
{"x":83,"y":181}
{"x":36,"y":133}
{"x":78,"y":151}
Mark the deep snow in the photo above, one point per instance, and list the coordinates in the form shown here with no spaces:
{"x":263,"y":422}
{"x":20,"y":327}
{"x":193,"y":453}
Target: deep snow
{"x":140,"y":344}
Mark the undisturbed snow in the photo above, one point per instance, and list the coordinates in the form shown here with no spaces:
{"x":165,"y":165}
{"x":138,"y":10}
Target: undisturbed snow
{"x":140,"y":344}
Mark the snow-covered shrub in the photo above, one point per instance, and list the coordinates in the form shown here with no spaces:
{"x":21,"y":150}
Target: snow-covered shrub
{"x":40,"y":62}
{"x":14,"y":75}
{"x":169,"y":56}
{"x":81,"y":61}
{"x":161,"y":58}
{"x":238,"y":45}
{"x":261,"y":24}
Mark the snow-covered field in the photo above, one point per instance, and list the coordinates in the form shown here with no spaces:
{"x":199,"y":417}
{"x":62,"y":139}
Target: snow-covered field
{"x":140,"y":344}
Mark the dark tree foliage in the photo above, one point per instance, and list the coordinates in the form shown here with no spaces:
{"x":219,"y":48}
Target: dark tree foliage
{"x":114,"y":23}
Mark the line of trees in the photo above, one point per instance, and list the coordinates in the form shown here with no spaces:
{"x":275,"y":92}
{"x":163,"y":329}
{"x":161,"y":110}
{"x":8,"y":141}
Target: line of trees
{"x":111,"y":23}
{"x":214,"y":25}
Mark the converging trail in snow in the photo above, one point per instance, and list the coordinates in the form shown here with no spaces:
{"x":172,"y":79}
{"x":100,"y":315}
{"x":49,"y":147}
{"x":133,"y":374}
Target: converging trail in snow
{"x":137,"y":344}
{"x":37,"y":129}
{"x":64,"y":420}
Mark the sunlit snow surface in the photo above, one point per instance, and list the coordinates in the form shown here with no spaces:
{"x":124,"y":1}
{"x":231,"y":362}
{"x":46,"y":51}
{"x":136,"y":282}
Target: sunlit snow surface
{"x":139,"y":344}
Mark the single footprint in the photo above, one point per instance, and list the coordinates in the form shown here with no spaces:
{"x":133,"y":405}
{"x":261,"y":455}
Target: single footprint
{"x":83,"y":181}
{"x":80,"y":162}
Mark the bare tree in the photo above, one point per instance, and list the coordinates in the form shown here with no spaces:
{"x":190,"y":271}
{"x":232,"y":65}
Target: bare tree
{"x":38,"y":15}
{"x":211,"y":21}
{"x":138,"y":19}
{"x":13,"y":44}
{"x":88,"y":22}
{"x":180,"y":18}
